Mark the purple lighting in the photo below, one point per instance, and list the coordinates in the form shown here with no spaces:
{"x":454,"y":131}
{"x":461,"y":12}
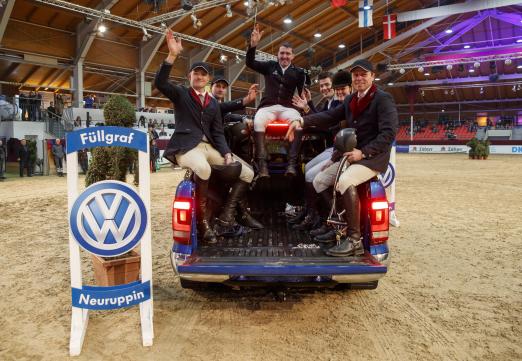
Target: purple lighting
{"x":519,"y":41}
{"x":449,"y":31}
{"x":467,"y":46}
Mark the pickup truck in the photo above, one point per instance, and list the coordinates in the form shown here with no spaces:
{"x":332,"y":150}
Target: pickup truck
{"x":277,"y":255}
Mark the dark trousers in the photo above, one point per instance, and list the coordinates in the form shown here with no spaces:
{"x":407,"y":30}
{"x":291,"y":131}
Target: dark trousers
{"x":25,"y":164}
{"x":2,"y":170}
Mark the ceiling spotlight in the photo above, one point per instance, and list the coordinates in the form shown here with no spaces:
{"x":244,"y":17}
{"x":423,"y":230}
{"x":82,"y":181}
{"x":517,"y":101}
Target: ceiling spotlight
{"x":390,"y":84}
{"x":519,"y":66}
{"x":317,"y":35}
{"x":467,"y":46}
{"x":514,"y":88}
{"x":519,"y":40}
{"x":229,"y":10}
{"x":342,"y":46}
{"x":196,"y":23}
{"x":402,"y":70}
{"x":519,"y":87}
{"x":377,"y":79}
{"x":163,"y":25}
{"x":238,"y":59}
{"x":476,"y":65}
{"x":102,"y":28}
{"x":287,"y":20}
{"x":446,"y":92}
{"x":481,"y":90}
{"x":245,"y":3}
{"x":507,"y":61}
{"x":471,"y":70}
{"x":422,"y":92}
{"x":443,"y":110}
{"x":316,"y":81}
{"x":282,"y":2}
{"x":146,"y":35}
{"x":448,"y":31}
{"x":420,"y":69}
{"x":426,"y":74}
{"x":186,"y":5}
{"x":452,"y":92}
{"x":223,"y":58}
{"x":449,"y":67}
{"x":367,"y":7}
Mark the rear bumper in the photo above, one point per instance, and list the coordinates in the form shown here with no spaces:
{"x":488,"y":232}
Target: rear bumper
{"x":214,"y":272}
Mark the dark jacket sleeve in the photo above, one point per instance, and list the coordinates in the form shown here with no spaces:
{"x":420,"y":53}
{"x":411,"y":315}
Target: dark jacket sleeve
{"x":231,"y":106}
{"x":325,"y":120}
{"x":161,"y":82}
{"x":262,"y":67}
{"x":387,"y":123}
{"x":313,"y":109}
{"x":218,"y":135}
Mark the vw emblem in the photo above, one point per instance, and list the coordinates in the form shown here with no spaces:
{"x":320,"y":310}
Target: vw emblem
{"x":388,"y":177}
{"x":108,"y":218}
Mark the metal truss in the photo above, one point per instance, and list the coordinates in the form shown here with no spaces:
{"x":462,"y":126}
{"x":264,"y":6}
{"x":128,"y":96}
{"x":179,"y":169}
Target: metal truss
{"x":463,"y":60}
{"x":107,"y":16}
{"x":179,"y":13}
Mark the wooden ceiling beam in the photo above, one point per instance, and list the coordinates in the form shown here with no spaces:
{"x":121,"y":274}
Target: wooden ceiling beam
{"x":5,"y":14}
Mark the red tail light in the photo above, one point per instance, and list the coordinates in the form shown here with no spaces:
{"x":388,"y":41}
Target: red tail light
{"x":379,"y":216}
{"x":182,"y":220}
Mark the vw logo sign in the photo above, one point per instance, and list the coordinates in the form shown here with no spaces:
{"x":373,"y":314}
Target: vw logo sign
{"x":388,"y":177}
{"x":108,"y":218}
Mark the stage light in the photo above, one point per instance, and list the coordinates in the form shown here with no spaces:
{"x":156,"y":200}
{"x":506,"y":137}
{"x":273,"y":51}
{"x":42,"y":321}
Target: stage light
{"x":448,"y":31}
{"x":427,"y":74}
{"x":471,"y":70}
{"x":449,"y":67}
{"x":420,"y":69}
{"x":186,"y":5}
{"x":402,"y":70}
{"x":390,"y":84}
{"x":476,"y":65}
{"x":342,"y":46}
{"x":467,"y":46}
{"x":102,"y":28}
{"x":229,"y":10}
{"x":317,"y":35}
{"x":223,"y":58}
{"x":287,"y":20}
{"x":507,"y":61}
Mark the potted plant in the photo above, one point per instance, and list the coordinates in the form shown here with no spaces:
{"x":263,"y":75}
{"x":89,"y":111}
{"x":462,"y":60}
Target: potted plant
{"x":472,"y":144}
{"x":112,"y":163}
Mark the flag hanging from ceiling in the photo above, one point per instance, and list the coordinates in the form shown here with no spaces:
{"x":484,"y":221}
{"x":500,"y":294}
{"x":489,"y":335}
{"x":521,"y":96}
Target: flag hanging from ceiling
{"x":338,"y":3}
{"x":365,"y":13}
{"x":389,"y":26}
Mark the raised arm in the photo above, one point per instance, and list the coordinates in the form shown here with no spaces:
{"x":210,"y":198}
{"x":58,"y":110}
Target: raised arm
{"x":162,"y":76}
{"x":262,"y":67}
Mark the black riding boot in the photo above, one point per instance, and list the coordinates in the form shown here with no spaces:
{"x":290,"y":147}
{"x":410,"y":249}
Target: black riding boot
{"x":327,"y":233}
{"x":312,"y":217}
{"x":237,"y":192}
{"x":261,"y":154}
{"x":352,"y":244}
{"x":293,"y":153}
{"x":202,"y":213}
{"x":245,"y":218}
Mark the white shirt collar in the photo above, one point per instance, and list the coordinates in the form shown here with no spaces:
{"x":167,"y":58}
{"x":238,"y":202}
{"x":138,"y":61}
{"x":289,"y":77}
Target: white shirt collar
{"x":204,"y":93}
{"x":363,"y":94}
{"x":284,"y":69}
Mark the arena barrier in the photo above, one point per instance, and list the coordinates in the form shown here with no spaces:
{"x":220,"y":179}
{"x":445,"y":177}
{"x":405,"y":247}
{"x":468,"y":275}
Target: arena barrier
{"x":388,"y":181}
{"x":107,"y":219}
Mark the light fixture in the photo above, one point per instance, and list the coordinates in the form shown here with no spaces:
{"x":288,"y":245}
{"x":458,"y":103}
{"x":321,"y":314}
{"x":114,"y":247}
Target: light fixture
{"x":229,"y":10}
{"x":342,"y":46}
{"x":390,"y":84}
{"x":223,"y":58}
{"x":471,"y":70}
{"x":367,"y":7}
{"x":445,"y":91}
{"x":452,"y":92}
{"x":377,"y":79}
{"x":426,"y":74}
{"x":519,"y":41}
{"x":287,"y":20}
{"x":317,"y":35}
{"x":449,"y":67}
{"x":238,"y":59}
{"x":443,"y":110}
{"x":245,"y":3}
{"x":514,"y":88}
{"x":422,"y":92}
{"x":196,"y":23}
{"x":507,"y":61}
{"x":467,"y":46}
{"x":448,"y":31}
{"x":186,"y":5}
{"x":146,"y":35}
{"x":476,"y":65}
{"x":519,"y":87}
{"x":420,"y":69}
{"x":402,"y":70}
{"x":163,"y":25}
{"x":519,"y":66}
{"x":102,"y":28}
{"x":481,"y":90}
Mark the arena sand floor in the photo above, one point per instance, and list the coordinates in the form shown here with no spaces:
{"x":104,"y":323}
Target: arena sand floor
{"x":453,"y":291}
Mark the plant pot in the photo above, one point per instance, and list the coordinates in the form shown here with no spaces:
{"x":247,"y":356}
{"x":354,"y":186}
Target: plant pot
{"x":116,"y":271}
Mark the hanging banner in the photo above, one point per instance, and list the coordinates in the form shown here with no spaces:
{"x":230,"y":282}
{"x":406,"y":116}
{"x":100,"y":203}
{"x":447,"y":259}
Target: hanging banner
{"x":389,"y":24}
{"x":365,"y":13}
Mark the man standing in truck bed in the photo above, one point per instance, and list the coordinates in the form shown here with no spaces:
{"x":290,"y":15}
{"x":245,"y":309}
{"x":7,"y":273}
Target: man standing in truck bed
{"x":282,"y":78}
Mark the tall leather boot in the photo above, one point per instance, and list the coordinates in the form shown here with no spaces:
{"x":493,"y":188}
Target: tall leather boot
{"x":202,"y":213}
{"x":261,"y":154}
{"x":238,"y":190}
{"x":325,"y":233}
{"x":312,"y":216}
{"x":245,"y":218}
{"x":293,"y":153}
{"x":352,"y":244}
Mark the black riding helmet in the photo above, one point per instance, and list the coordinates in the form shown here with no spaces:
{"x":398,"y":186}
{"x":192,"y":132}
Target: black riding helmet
{"x":226,"y":173}
{"x":345,"y":140}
